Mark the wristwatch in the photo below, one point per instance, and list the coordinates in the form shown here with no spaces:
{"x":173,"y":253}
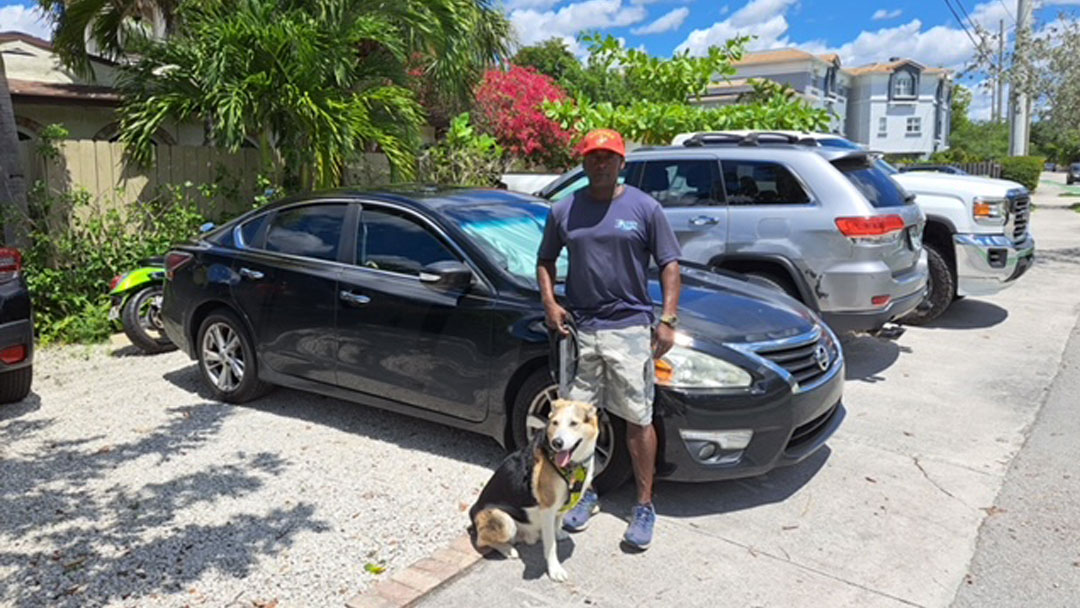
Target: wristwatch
{"x":671,"y":321}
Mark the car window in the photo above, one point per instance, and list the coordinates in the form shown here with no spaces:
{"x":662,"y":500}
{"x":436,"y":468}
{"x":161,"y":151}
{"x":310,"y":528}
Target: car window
{"x":312,"y":231}
{"x":752,"y":182}
{"x":249,"y":231}
{"x":875,"y":185}
{"x":582,"y":180}
{"x":681,"y":183}
{"x":390,"y":240}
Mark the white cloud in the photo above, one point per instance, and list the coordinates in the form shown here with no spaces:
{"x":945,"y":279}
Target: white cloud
{"x":17,"y":18}
{"x":524,"y":4}
{"x":764,"y":19}
{"x":982,"y":98}
{"x":937,"y":46}
{"x":534,"y":26}
{"x":883,"y":14}
{"x":643,"y":2}
{"x":669,"y":22}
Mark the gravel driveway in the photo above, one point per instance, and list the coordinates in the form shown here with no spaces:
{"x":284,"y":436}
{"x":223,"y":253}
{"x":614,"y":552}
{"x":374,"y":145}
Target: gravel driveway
{"x":123,"y":484}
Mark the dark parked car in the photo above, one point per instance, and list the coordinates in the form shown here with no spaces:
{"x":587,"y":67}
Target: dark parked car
{"x":1073,"y":175}
{"x":951,"y":170}
{"x":16,"y":329}
{"x":424,"y":302}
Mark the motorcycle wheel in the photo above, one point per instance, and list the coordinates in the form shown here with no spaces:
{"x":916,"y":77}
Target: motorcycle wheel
{"x":141,"y":319}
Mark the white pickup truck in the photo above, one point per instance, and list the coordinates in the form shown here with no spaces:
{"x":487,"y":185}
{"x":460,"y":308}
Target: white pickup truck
{"x":976,"y":236}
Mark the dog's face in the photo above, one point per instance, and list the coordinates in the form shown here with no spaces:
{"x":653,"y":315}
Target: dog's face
{"x":572,"y":430}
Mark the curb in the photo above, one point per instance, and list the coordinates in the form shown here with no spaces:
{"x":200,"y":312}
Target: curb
{"x":407,"y":586}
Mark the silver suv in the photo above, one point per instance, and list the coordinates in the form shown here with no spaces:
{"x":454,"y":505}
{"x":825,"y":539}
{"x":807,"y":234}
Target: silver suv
{"x":824,"y":225}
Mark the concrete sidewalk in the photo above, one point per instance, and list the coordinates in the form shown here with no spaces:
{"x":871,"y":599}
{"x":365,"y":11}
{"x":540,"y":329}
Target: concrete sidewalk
{"x":888,"y":515}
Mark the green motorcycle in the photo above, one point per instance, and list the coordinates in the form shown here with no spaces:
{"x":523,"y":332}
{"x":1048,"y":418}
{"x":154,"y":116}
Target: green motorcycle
{"x":136,"y":298}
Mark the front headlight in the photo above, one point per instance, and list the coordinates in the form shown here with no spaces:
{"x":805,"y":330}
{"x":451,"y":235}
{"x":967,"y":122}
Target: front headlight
{"x":990,"y":210}
{"x":683,"y":367}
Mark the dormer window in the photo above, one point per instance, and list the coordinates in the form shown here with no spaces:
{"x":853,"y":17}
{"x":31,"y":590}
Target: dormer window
{"x":903,"y":85}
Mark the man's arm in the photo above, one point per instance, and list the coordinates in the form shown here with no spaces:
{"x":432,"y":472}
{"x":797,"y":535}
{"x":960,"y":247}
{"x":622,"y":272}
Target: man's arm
{"x":555,"y":315}
{"x":671,"y":284}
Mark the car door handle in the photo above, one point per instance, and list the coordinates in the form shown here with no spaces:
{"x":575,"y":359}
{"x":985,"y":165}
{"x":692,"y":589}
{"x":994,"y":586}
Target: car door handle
{"x":704,"y":220}
{"x":353,"y":298}
{"x":248,"y":273}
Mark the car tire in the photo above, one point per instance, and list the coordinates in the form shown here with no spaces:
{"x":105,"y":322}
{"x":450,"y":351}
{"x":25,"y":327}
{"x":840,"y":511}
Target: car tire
{"x":942,"y":290}
{"x":617,"y":467}
{"x":219,"y":355}
{"x":134,"y":328}
{"x":773,"y":281}
{"x":15,"y":385}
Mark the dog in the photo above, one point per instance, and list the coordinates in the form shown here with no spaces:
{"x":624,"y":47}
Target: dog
{"x":528,"y":495}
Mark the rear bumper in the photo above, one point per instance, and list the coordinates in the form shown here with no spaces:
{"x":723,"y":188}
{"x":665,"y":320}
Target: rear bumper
{"x":15,"y":333}
{"x":989,"y":263}
{"x":851,"y":292}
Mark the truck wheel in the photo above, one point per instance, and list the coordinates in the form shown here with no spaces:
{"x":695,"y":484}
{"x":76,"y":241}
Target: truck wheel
{"x":533,"y":401}
{"x":941,"y":290}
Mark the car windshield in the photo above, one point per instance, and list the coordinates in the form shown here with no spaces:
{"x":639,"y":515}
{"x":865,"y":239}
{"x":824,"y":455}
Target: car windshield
{"x":509,"y":235}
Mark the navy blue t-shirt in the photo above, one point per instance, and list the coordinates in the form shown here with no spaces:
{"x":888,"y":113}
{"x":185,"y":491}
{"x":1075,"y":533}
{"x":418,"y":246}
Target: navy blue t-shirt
{"x":609,"y":248}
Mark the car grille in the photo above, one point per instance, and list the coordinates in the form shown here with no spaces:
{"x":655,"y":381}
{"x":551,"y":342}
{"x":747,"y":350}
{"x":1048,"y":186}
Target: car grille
{"x":1021,"y":208}
{"x":807,"y":357}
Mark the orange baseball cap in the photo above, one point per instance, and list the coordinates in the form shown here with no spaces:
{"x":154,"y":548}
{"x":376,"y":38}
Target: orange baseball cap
{"x":603,"y":139}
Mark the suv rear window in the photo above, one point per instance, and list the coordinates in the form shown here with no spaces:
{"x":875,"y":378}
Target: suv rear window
{"x":753,"y":182}
{"x":874,"y":184}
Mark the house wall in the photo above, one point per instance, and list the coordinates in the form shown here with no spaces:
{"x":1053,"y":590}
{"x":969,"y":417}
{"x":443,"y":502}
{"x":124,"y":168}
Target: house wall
{"x":869,"y":103}
{"x":25,"y":61}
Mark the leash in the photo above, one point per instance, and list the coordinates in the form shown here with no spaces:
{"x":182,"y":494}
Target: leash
{"x":563,"y":352}
{"x":574,"y":478}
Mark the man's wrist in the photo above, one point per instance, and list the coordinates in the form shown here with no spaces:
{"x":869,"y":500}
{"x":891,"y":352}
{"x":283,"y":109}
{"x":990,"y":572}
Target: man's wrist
{"x":671,"y":320}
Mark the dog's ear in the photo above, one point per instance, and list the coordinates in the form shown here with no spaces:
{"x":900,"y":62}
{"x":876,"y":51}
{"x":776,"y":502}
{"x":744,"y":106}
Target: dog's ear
{"x":591,"y":413}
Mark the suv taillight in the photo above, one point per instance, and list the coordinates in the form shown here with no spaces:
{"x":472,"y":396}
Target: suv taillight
{"x":175,"y":260}
{"x":10,"y":263}
{"x":869,"y":227}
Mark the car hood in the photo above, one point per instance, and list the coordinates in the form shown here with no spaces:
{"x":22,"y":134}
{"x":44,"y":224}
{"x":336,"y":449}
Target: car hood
{"x":964,"y":186}
{"x":723,"y":309}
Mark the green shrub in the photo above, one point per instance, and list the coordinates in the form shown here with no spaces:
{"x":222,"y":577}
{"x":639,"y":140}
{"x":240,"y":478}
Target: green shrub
{"x":78,"y":245}
{"x":1023,"y":169}
{"x":464,"y":157}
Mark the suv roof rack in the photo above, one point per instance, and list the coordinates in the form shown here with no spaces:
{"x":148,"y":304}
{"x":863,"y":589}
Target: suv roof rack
{"x":750,"y":139}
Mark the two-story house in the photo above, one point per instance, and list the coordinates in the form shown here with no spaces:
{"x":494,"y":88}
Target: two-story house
{"x":818,"y":79}
{"x":900,"y":107}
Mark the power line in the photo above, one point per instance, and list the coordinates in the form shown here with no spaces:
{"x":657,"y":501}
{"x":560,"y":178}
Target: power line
{"x":1007,"y":11}
{"x":971,"y":21}
{"x":978,"y":47}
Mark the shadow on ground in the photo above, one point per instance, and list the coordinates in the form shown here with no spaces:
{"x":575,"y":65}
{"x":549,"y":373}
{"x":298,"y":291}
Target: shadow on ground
{"x":867,"y":356}
{"x":532,"y":557}
{"x":66,"y":545}
{"x":371,"y":422}
{"x":970,"y":314}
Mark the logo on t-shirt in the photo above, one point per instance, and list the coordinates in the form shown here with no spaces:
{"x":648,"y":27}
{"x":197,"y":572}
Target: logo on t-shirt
{"x":626,"y":225}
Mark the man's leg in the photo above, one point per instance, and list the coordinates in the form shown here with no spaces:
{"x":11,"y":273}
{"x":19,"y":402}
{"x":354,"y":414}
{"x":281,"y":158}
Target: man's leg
{"x":587,"y":386}
{"x":642,"y":443}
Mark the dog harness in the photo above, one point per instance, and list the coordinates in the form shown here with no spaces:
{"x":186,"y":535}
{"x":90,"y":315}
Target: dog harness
{"x":575,"y":482}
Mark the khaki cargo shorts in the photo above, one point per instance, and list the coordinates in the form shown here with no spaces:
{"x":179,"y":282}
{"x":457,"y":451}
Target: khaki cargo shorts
{"x":615,"y":371}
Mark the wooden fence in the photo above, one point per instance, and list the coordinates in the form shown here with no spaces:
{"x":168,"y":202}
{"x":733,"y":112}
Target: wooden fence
{"x":100,"y":168}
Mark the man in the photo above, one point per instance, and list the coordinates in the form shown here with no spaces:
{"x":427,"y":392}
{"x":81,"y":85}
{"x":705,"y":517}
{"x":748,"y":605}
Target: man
{"x":611,"y":231}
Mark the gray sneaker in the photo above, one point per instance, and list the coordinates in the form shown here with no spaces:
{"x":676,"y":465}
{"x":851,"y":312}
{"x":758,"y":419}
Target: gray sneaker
{"x":578,"y":517}
{"x":639,"y":532}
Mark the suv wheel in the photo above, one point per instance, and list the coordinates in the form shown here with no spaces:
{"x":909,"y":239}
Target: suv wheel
{"x":530,"y":411}
{"x":941,"y":290}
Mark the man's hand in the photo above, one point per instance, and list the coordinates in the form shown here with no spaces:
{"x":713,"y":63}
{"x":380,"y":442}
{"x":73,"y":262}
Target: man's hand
{"x":663,"y":340}
{"x":557,"y":318}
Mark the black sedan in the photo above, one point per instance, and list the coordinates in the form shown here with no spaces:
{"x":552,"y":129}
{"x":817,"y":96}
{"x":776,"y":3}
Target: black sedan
{"x":424,"y":302}
{"x":16,"y":329}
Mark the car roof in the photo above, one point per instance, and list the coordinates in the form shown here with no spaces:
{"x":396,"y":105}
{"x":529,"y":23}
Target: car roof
{"x":731,"y":149}
{"x":429,"y":196}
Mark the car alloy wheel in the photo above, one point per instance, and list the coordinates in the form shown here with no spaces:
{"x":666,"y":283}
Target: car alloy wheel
{"x":538,"y":417}
{"x":223,"y":354}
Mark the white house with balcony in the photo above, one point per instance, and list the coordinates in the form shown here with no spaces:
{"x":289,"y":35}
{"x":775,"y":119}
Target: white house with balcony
{"x":900,"y":107}
{"x":819,"y":79}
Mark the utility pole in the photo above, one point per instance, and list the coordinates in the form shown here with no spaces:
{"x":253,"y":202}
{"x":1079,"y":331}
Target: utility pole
{"x":1018,"y":102}
{"x":996,"y":113}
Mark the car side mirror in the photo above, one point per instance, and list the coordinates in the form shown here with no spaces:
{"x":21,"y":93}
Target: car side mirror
{"x":446,"y":276}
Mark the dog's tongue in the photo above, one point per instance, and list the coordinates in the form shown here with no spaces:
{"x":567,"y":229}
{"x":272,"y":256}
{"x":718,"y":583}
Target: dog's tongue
{"x":562,"y":459}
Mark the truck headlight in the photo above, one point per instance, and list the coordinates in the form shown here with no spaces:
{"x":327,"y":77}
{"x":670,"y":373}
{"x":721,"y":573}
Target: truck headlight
{"x":990,"y":210}
{"x":683,"y":367}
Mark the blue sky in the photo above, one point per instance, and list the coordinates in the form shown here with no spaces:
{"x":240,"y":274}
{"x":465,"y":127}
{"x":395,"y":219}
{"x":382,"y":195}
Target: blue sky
{"x":861,"y":32}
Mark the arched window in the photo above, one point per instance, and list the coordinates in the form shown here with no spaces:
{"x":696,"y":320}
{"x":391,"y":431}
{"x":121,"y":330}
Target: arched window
{"x":904,"y":85}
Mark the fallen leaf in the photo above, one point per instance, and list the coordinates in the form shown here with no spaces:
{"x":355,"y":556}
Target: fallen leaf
{"x":375,"y":568}
{"x":871,"y":480}
{"x":261,"y":604}
{"x":104,"y":450}
{"x":462,"y":506}
{"x":789,"y":527}
{"x":993,"y":510}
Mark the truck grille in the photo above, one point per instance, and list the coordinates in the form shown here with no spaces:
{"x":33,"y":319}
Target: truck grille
{"x":1021,"y":209}
{"x":807,"y":357}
